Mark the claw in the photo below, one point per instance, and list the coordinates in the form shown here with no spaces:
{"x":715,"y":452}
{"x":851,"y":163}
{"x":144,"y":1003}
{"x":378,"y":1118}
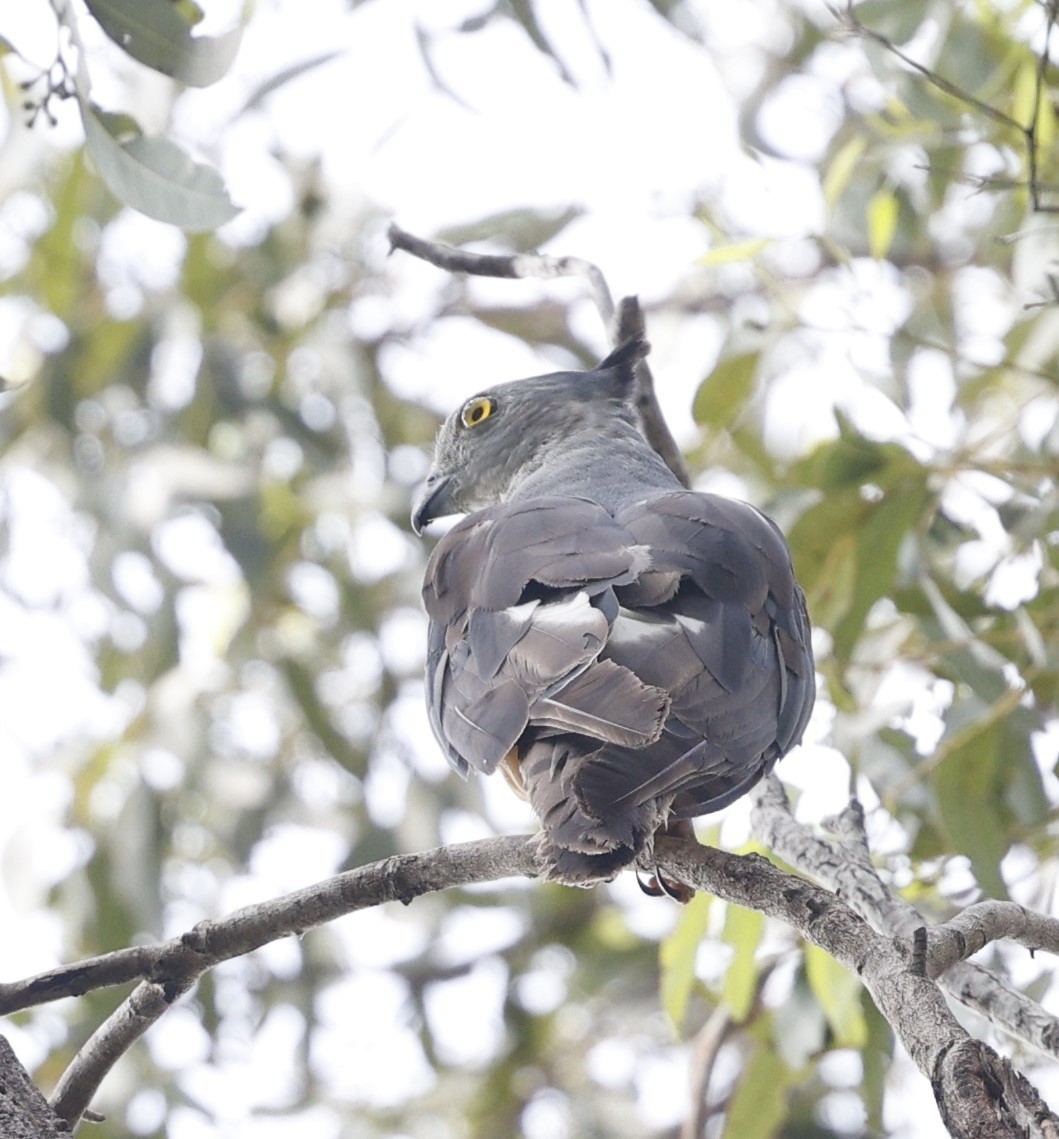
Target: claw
{"x":651,"y":886}
{"x":659,"y":886}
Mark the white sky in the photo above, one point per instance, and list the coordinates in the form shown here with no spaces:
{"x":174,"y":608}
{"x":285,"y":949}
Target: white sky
{"x":634,"y":150}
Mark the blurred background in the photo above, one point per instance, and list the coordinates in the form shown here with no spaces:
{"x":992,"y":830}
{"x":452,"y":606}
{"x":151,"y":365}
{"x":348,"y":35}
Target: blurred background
{"x":211,"y":643}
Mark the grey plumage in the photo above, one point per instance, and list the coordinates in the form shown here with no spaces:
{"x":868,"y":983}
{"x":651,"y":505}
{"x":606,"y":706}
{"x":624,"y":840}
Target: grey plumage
{"x":627,"y":651}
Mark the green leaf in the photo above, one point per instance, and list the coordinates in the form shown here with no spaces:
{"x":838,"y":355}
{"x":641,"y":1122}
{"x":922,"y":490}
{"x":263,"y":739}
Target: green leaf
{"x":839,"y":993}
{"x":1024,"y":93}
{"x":156,"y":34}
{"x":156,"y":177}
{"x":725,"y":390}
{"x":878,"y":544}
{"x":882,"y":222}
{"x":677,"y":955}
{"x":840,"y":169}
{"x":742,"y":930}
{"x":968,"y":787}
{"x":736,"y":251}
{"x":759,"y":1106}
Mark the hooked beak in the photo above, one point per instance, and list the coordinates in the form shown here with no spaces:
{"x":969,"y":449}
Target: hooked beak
{"x":433,"y":501}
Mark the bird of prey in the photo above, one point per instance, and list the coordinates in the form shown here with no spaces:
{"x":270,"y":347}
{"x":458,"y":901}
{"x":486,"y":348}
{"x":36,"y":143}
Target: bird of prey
{"x":630,"y":653}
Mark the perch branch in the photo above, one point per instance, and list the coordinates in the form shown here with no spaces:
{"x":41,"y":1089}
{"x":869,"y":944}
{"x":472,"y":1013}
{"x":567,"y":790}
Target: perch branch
{"x":169,"y":969}
{"x":963,"y":1072}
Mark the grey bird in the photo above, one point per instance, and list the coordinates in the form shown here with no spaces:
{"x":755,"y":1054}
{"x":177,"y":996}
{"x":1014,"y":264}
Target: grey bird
{"x":630,"y":653}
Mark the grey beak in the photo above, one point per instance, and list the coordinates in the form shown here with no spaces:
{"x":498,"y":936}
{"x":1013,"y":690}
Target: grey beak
{"x":433,"y":501}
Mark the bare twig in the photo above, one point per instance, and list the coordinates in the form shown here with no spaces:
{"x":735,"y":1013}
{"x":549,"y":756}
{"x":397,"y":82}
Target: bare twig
{"x":1027,"y":131}
{"x":516,"y":265}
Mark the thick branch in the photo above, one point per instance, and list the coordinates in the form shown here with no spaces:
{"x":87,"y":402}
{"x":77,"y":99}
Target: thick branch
{"x":846,"y":867}
{"x":24,"y":1114}
{"x":978,"y":1093}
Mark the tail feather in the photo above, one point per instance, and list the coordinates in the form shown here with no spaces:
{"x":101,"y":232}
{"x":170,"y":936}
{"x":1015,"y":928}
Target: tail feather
{"x":580,"y":845}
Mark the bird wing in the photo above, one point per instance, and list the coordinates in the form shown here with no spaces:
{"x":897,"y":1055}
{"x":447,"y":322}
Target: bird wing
{"x":643,"y":664}
{"x":521,"y":600}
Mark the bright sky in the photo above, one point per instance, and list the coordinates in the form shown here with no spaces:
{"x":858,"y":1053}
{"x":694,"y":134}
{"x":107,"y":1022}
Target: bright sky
{"x":635,"y":151}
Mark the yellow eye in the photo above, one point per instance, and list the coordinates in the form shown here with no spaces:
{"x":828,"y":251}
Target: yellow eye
{"x":477,"y":411}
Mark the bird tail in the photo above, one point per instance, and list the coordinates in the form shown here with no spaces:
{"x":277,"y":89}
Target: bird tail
{"x":579,"y":847}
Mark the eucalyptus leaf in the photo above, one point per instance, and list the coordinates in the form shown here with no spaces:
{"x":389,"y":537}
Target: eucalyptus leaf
{"x":157,"y":177}
{"x":743,"y":930}
{"x":725,"y":391}
{"x":677,"y":955}
{"x":155,"y":34}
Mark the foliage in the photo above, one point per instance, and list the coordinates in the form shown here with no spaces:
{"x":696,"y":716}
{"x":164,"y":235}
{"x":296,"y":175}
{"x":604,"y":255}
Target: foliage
{"x":210,"y":590}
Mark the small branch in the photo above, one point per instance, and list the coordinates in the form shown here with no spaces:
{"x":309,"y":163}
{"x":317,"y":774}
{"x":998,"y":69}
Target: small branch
{"x":114,"y":1037}
{"x":851,"y":21}
{"x":978,"y":925}
{"x":703,"y":1060}
{"x":1028,"y":132}
{"x":518,"y":265}
{"x":401,"y":878}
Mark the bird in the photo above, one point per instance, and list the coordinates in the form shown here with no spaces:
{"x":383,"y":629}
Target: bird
{"x":629,"y":653}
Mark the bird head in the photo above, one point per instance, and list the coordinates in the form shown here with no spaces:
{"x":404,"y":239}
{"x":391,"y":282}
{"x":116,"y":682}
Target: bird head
{"x":502,"y":435}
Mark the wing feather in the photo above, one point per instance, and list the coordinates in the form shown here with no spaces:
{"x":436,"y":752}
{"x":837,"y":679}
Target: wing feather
{"x":651,"y":663}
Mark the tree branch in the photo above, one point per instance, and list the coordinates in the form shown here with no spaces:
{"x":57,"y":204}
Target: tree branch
{"x":962,"y":1071}
{"x":978,"y":1093}
{"x":704,"y":1055}
{"x":170,"y":969}
{"x":24,"y":1113}
{"x":846,"y":868}
{"x":516,"y":265}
